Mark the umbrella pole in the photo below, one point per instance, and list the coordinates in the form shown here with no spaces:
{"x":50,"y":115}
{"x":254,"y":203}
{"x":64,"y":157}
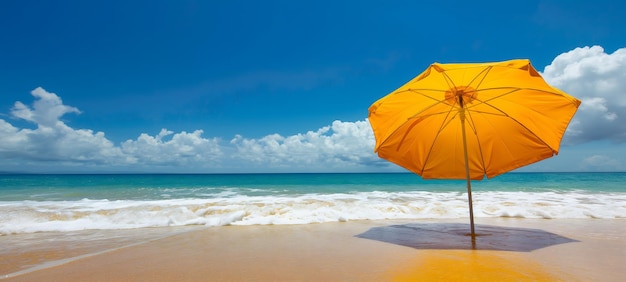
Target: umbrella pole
{"x":467,"y":173}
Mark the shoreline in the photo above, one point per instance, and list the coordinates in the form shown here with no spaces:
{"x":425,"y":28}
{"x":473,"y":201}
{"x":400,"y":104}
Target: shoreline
{"x":377,"y":250}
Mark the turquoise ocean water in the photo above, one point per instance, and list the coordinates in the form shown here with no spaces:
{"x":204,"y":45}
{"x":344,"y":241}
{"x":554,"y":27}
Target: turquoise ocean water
{"x":40,"y":203}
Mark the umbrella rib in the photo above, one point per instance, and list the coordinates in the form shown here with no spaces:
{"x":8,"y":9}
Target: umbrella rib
{"x":448,"y":80}
{"x":447,"y":121}
{"x":486,"y":102}
{"x":414,"y":123}
{"x":513,"y":119}
{"x":474,"y":129}
{"x":416,"y":91}
{"x":513,"y":90}
{"x":484,"y":74}
{"x":480,"y":147}
{"x":478,"y":79}
{"x":444,"y":124}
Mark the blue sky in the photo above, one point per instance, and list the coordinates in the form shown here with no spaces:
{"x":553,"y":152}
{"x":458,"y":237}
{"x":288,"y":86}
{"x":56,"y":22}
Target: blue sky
{"x":277,"y":86}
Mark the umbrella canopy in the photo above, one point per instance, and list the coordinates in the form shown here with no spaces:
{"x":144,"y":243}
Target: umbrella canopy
{"x":467,"y":121}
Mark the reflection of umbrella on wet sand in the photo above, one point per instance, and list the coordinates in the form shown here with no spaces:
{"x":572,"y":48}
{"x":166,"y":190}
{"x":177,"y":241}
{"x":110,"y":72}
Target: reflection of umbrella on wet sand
{"x":451,"y":236}
{"x":465,"y":121}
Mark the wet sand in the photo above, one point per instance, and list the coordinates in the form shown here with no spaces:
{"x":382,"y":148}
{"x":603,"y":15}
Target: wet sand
{"x":393,"y":250}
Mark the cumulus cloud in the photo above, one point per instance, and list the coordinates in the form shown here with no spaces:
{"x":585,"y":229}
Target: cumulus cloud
{"x":596,"y":77}
{"x":181,"y":149}
{"x":599,"y":80}
{"x":54,"y":141}
{"x":602,"y":163}
{"x":341,"y":145}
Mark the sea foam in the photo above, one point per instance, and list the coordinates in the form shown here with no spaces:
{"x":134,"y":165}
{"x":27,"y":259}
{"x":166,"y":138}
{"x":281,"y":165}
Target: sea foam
{"x":41,"y":216}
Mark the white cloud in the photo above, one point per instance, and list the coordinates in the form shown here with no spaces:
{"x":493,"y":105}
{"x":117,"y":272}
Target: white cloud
{"x":599,"y":80}
{"x":340,"y":146}
{"x":46,"y":110}
{"x":181,"y":149}
{"x":592,"y":75}
{"x":52,"y":141}
{"x":602,"y":163}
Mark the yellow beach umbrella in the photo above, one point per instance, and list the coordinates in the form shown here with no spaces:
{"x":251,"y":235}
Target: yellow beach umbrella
{"x":467,"y":121}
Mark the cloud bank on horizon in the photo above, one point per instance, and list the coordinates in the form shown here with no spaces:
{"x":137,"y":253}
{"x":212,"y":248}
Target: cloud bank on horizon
{"x":50,"y":145}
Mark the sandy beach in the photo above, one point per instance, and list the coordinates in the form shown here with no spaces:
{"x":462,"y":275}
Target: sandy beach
{"x":507,"y":249}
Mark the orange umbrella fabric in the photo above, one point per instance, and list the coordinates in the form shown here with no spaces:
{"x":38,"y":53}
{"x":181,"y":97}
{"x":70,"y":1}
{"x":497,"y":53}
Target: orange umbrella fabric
{"x":511,"y":116}
{"x":467,"y":121}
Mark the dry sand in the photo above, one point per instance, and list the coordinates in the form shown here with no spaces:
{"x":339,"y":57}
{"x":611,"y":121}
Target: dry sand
{"x":407,"y":250}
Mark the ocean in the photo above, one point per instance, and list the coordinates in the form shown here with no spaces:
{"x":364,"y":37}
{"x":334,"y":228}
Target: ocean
{"x":64,"y":203}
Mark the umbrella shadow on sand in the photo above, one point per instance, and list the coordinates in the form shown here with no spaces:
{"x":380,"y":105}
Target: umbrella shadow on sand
{"x":454,"y":236}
